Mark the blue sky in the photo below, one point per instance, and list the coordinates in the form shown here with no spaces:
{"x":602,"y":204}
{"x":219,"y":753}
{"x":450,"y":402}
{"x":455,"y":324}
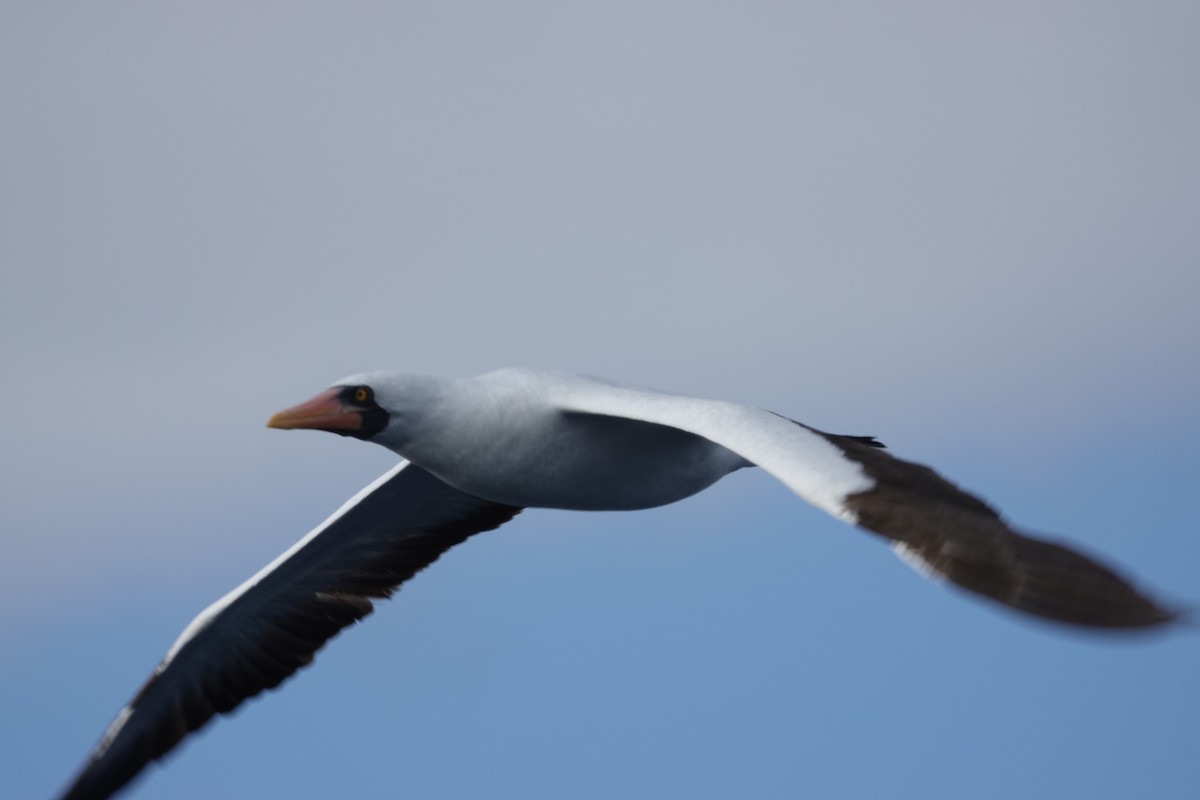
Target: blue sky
{"x":970,"y":232}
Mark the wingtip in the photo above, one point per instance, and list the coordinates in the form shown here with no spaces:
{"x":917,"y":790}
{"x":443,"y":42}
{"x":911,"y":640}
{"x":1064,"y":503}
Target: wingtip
{"x":1184,"y":616}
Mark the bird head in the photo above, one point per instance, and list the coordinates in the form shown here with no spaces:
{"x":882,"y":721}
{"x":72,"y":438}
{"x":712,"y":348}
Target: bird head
{"x":348,"y":409}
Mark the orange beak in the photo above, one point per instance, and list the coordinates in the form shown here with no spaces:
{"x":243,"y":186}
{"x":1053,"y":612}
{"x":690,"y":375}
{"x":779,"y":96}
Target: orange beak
{"x":325,"y":412}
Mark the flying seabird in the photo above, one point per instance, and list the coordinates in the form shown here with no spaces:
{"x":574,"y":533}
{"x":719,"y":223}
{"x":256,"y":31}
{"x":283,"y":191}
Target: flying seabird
{"x":477,"y":451}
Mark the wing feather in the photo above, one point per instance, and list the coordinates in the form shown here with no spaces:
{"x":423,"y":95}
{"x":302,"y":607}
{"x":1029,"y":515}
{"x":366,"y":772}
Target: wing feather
{"x":258,"y":635}
{"x":931,"y":523}
{"x":956,"y":536}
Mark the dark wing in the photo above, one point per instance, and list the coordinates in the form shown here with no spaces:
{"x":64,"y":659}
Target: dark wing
{"x":931,"y":522}
{"x":948,"y":533}
{"x":263,"y":631}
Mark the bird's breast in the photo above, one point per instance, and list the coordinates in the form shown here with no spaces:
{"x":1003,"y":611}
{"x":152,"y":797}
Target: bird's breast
{"x":577,"y":461}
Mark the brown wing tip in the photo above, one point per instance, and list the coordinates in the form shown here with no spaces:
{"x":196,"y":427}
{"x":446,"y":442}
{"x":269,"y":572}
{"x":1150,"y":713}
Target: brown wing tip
{"x":1136,"y":612}
{"x":1057,"y":583}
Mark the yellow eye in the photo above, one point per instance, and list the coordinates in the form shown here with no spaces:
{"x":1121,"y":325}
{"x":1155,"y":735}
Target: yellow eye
{"x":361,"y":394}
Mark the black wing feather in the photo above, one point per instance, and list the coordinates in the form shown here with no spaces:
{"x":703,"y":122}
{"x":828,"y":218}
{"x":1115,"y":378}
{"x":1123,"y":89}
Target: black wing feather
{"x":269,"y":630}
{"x":962,"y":539}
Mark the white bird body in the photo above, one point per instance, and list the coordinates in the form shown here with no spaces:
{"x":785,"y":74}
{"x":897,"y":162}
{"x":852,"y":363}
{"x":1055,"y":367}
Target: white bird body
{"x":478,"y":450}
{"x":548,"y":440}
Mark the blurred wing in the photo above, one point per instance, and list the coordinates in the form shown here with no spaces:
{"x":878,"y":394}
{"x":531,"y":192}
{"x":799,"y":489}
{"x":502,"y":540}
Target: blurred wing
{"x":947,"y":533}
{"x":266,"y":629}
{"x":932,"y":524}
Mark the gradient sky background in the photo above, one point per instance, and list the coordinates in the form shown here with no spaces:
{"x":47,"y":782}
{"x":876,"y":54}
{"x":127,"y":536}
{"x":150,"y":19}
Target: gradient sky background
{"x":968,"y":229}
